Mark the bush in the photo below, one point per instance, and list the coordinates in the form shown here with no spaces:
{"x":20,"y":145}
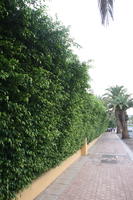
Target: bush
{"x":45,"y":110}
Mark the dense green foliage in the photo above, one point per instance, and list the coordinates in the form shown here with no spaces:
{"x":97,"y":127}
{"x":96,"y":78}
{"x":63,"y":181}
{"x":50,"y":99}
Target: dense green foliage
{"x":45,"y":110}
{"x":112,"y":121}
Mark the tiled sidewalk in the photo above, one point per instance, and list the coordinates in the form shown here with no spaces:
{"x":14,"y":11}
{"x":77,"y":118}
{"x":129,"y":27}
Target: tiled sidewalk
{"x":106,"y":173}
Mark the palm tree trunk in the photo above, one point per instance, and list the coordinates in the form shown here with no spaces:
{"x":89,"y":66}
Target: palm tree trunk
{"x":125,"y":132}
{"x":118,"y":123}
{"x":119,"y":130}
{"x":123,"y":120}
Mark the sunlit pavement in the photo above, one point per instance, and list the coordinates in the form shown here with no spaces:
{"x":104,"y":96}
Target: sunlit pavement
{"x":106,"y":173}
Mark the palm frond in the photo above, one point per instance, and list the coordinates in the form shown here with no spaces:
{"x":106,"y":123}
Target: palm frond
{"x":106,"y":10}
{"x":118,"y":98}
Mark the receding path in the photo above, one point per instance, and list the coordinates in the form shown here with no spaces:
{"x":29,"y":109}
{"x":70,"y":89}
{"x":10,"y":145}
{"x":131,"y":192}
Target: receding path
{"x":106,"y":173}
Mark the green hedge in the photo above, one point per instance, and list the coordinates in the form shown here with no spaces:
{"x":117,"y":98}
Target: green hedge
{"x":45,"y":110}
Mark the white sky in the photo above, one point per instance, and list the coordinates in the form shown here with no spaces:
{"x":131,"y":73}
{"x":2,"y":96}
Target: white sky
{"x":110,"y":47}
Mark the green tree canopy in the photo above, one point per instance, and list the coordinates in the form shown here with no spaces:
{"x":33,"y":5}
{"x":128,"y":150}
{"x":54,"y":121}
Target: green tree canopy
{"x":118,"y":101}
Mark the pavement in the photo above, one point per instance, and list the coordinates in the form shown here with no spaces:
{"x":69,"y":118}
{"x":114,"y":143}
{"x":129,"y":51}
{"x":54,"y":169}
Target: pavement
{"x":106,"y":173}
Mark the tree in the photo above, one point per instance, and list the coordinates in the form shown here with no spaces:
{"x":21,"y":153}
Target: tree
{"x":111,"y":120}
{"x":106,"y":10}
{"x":109,"y":99}
{"x":118,"y":101}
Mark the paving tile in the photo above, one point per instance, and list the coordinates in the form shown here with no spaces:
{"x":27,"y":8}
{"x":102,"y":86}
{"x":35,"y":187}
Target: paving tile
{"x":106,"y":173}
{"x":47,"y":197}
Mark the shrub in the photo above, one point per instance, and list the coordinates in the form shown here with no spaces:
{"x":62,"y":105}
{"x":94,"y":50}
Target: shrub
{"x":45,"y":110}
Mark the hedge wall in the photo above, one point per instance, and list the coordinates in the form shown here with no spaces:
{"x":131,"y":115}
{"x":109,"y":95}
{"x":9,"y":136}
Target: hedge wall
{"x":45,"y":110}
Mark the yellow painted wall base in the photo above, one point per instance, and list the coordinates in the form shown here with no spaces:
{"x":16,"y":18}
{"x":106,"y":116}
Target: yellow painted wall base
{"x":46,"y":179}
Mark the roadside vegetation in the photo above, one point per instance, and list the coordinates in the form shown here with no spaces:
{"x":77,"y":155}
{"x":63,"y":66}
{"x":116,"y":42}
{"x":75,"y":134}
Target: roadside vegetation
{"x":45,"y":110}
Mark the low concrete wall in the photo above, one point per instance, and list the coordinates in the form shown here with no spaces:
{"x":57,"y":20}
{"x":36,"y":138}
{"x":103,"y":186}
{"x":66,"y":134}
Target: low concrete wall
{"x":47,"y":178}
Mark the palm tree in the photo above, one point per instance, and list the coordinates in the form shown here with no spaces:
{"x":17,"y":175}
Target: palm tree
{"x":118,"y":101}
{"x":110,"y":101}
{"x":106,"y":10}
